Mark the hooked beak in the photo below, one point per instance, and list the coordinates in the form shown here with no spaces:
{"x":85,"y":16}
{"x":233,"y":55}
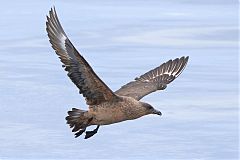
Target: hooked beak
{"x":157,"y":112}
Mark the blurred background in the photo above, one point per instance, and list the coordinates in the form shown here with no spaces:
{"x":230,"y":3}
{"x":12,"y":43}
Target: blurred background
{"x":121,"y":40}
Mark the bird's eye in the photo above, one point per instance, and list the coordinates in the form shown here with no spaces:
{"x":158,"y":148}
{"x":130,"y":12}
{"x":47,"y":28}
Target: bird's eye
{"x":150,"y":107}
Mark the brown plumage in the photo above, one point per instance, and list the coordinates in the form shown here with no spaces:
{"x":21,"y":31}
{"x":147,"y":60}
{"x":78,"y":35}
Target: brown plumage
{"x":105,"y":106}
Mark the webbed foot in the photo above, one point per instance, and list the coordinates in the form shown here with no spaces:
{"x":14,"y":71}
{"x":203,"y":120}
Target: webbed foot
{"x":91,"y":133}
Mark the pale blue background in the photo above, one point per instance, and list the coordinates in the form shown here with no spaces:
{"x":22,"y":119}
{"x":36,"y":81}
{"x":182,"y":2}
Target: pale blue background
{"x":121,"y":40}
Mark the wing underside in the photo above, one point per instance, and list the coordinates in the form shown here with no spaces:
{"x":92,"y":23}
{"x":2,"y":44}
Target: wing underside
{"x":156,"y":79}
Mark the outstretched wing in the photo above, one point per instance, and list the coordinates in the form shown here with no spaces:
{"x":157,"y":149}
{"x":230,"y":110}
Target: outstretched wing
{"x":79,"y":71}
{"x":156,"y":79}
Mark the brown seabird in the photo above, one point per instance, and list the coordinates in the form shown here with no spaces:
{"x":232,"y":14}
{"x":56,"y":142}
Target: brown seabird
{"x":105,"y":106}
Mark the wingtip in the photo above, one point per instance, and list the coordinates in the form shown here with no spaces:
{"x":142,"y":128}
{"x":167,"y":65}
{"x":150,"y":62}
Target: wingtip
{"x":52,"y":10}
{"x":186,"y":59}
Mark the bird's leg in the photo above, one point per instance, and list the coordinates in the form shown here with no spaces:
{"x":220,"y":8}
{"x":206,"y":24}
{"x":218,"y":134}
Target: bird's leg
{"x":91,"y":133}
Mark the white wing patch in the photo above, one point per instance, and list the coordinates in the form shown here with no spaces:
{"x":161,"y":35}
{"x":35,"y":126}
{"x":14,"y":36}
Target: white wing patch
{"x":166,"y":72}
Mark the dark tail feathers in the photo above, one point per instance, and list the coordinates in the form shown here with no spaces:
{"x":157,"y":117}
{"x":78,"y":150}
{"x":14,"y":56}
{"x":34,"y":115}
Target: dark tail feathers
{"x":78,"y":120}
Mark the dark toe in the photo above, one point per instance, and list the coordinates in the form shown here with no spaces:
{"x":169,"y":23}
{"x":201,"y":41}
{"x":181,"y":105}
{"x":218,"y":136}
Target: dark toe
{"x":89,"y":134}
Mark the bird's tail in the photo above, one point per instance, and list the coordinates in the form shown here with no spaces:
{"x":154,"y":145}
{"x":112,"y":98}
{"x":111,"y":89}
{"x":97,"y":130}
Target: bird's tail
{"x":78,"y":120}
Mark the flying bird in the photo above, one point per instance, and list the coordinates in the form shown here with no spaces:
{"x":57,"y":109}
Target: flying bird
{"x":105,"y":106}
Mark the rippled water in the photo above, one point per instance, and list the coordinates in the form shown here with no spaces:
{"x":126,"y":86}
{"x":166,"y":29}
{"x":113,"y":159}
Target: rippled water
{"x":121,"y":40}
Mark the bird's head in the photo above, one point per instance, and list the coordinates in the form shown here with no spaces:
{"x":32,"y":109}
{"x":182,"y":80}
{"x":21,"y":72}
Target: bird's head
{"x":150,"y":110}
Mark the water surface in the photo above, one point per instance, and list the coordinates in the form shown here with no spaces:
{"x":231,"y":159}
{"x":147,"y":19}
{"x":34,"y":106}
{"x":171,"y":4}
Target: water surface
{"x":121,"y":40}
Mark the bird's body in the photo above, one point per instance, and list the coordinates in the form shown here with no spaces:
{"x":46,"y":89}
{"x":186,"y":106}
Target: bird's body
{"x":105,"y":106}
{"x":120,"y":109}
